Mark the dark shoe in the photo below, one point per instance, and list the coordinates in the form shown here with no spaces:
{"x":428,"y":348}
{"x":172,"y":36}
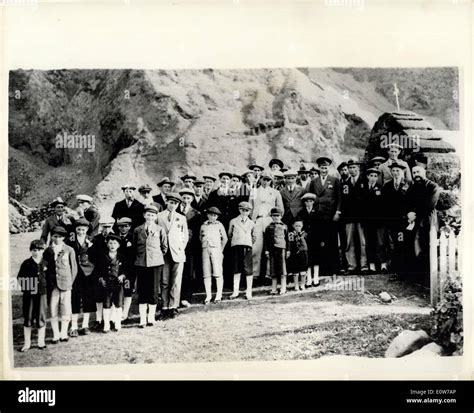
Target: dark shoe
{"x":54,"y":341}
{"x":164,"y":315}
{"x":141,"y":326}
{"x":85,"y":331}
{"x":316,"y":285}
{"x":384,"y":271}
{"x":365,"y":271}
{"x":105,"y":331}
{"x":206,"y":302}
{"x":150,"y":324}
{"x":64,"y":340}
{"x":216,"y":300}
{"x":127,"y":321}
{"x":73,"y":333}
{"x":42,"y":347}
{"x":97,"y":326}
{"x":343,"y":272}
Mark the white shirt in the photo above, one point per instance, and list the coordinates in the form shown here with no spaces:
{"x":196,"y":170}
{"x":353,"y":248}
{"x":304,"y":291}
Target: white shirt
{"x":323,"y":179}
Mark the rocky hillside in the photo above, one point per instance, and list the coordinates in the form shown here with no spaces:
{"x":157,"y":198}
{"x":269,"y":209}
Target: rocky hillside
{"x":146,"y":124}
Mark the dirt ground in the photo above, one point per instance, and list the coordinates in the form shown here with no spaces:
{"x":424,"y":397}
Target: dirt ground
{"x":297,"y":326}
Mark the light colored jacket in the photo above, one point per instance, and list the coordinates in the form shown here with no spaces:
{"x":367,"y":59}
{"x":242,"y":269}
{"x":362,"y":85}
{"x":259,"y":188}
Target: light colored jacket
{"x":177,"y":232}
{"x":263,"y":200}
{"x":150,"y":248}
{"x":213,"y":235}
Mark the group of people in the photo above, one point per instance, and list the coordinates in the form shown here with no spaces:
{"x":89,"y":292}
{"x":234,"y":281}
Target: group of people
{"x":260,"y":225}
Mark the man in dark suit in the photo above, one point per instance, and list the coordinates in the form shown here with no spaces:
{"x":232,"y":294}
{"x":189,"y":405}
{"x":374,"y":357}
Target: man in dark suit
{"x":352,"y":212}
{"x":200,"y":198}
{"x":222,"y":198}
{"x":328,"y":204}
{"x":291,"y":195}
{"x":128,"y":207}
{"x":193,"y":247}
{"x":396,"y":204}
{"x":90,"y":212}
{"x":424,"y":195}
{"x":165,"y":186}
{"x":59,"y":218}
{"x":343,"y":170}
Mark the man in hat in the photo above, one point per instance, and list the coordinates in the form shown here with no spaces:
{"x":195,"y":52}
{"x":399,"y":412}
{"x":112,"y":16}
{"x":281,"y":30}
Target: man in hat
{"x":264,"y":198}
{"x":375,"y":162}
{"x":209,"y":184}
{"x":353,"y":213}
{"x":278,"y":180}
{"x":90,"y":212}
{"x":257,"y":171}
{"x":146,"y":198}
{"x":424,"y":195}
{"x":275,"y":165}
{"x":303,"y":178}
{"x":343,"y":170}
{"x":176,"y":229}
{"x":313,"y":173}
{"x":327,"y":189}
{"x":374,"y":222}
{"x":394,"y":150}
{"x":396,"y":204}
{"x":59,"y":218}
{"x":222,"y":198}
{"x":128,"y":207}
{"x":165,"y":186}
{"x":188,"y":180}
{"x":200,"y":198}
{"x":193,"y":247}
{"x":291,"y":196}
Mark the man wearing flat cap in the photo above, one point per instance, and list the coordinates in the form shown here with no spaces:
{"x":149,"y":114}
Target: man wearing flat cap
{"x":394,"y":151}
{"x":176,"y":228}
{"x":200,"y":198}
{"x":291,"y":195}
{"x":146,"y":198}
{"x":58,"y":218}
{"x":165,"y":186}
{"x":396,"y":198}
{"x":90,"y":212}
{"x":208,"y":185}
{"x":188,"y":180}
{"x":327,"y":189}
{"x":257,"y":171}
{"x":128,"y":207}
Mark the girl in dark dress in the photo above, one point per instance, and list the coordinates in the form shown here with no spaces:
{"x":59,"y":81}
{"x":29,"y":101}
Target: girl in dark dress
{"x":297,"y":262}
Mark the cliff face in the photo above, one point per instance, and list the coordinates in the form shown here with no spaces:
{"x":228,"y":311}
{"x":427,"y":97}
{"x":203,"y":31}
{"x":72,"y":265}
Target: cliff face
{"x":147,"y":124}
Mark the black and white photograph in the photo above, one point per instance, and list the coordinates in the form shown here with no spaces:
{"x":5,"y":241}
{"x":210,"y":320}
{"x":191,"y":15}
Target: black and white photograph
{"x":220,"y":215}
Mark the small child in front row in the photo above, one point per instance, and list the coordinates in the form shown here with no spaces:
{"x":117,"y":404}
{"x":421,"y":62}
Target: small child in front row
{"x":275,"y":244}
{"x":112,"y":269}
{"x":32,"y":281}
{"x":213,"y":240}
{"x":298,"y":260}
{"x":241,"y":236}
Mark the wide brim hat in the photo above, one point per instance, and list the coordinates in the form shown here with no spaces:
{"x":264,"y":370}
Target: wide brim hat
{"x":276,"y":211}
{"x":128,"y":186}
{"x":290,"y":172}
{"x":199,"y":182}
{"x":164,"y":181}
{"x":114,"y":237}
{"x":186,"y":191}
{"x":209,"y":177}
{"x":352,"y":162}
{"x":245,"y":205}
{"x":145,"y":188}
{"x":341,"y":165}
{"x":255,"y":166}
{"x":397,"y":165}
{"x":266,"y":175}
{"x":309,"y":195}
{"x":107,"y":220}
{"x":323,"y":160}
{"x":378,"y":158}
{"x":277,"y":174}
{"x":373,"y":170}
{"x":213,"y":210}
{"x":394,"y":145}
{"x":124,"y":221}
{"x":152,"y":208}
{"x":84,"y":198}
{"x":189,"y":175}
{"x":81,"y":222}
{"x":225,"y":174}
{"x":275,"y":161}
{"x":57,"y":201}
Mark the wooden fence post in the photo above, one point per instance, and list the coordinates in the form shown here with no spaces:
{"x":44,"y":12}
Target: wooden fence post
{"x":434,"y":282}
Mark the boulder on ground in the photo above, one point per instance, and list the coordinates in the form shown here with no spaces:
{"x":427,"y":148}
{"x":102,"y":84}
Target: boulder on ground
{"x":385,"y":297}
{"x":429,"y":350}
{"x":407,"y":342}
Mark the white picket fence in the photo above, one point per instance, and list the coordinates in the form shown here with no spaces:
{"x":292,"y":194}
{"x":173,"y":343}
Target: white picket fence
{"x":445,"y":258}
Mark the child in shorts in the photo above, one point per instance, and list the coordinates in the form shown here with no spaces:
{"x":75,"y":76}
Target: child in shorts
{"x":275,"y":243}
{"x":213,"y":240}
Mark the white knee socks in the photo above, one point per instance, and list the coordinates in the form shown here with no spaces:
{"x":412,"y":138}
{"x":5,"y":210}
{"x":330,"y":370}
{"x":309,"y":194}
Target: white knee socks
{"x":283,"y":284}
{"x":107,"y":312}
{"x":208,"y":288}
{"x":151,"y":313}
{"x":142,"y":310}
{"x":74,"y":319}
{"x":316,"y":275}
{"x":64,"y":328}
{"x":249,"y":280}
{"x":27,"y":334}
{"x":235,"y":294}
{"x":118,"y":318}
{"x":85,"y":320}
{"x":220,"y":286}
{"x":55,"y":327}
{"x":309,"y":280}
{"x":41,"y":336}
{"x":98,"y":313}
{"x":127,"y":302}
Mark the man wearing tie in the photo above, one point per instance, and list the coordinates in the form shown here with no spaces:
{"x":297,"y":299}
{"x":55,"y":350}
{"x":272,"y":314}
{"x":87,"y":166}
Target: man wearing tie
{"x":165,"y":186}
{"x":176,"y":229}
{"x":58,"y":219}
{"x":291,"y":196}
{"x":200,"y":198}
{"x":328,"y":204}
{"x":128,"y":207}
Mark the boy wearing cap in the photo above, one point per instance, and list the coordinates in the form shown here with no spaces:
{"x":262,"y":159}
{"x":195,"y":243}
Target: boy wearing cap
{"x":165,"y":186}
{"x":112,"y":269}
{"x":275,"y":244}
{"x":127,"y":250}
{"x":376,"y":254}
{"x":193,"y":247}
{"x":32,"y":281}
{"x":83,"y":289}
{"x":128,"y":207}
{"x":58,"y":218}
{"x":151,"y":245}
{"x":60,"y":275}
{"x":327,"y":189}
{"x":242,"y":238}
{"x":291,"y":196}
{"x":90,"y":212}
{"x":394,"y":150}
{"x":213,"y":240}
{"x":176,"y":229}
{"x":309,"y":217}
